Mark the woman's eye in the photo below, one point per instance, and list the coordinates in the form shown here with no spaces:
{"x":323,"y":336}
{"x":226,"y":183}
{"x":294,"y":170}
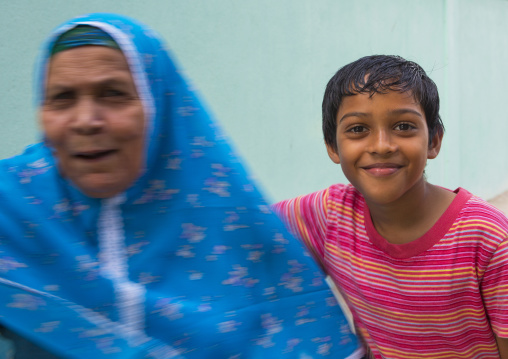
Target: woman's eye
{"x":60,"y":99}
{"x":404,"y":127}
{"x":113,"y":93}
{"x":115,"y":96}
{"x":62,"y":96}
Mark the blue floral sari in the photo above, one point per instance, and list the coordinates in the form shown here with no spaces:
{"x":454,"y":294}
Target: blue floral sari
{"x":189,"y":262}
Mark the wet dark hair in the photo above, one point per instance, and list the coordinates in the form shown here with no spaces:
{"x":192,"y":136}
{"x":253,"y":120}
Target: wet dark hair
{"x":383,"y":73}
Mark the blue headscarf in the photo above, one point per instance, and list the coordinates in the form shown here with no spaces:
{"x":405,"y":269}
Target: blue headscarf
{"x":187,"y":263}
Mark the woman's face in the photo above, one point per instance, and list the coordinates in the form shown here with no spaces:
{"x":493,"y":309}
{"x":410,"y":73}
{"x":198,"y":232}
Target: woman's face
{"x":93,"y":118}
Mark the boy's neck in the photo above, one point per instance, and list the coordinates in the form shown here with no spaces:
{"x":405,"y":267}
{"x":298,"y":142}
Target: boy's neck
{"x":411,"y":216}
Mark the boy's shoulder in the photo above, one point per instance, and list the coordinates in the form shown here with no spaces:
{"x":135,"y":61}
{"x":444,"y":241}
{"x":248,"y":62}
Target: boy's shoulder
{"x":345,"y":195}
{"x":484,"y":213}
{"x":481,"y":222}
{"x":320,"y":201}
{"x":343,"y":190}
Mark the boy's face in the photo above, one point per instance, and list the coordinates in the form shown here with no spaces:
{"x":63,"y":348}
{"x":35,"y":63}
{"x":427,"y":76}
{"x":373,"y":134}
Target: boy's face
{"x":383,"y":144}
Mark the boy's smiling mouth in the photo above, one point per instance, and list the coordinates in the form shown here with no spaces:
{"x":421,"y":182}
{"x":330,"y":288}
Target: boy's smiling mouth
{"x":382,"y":169}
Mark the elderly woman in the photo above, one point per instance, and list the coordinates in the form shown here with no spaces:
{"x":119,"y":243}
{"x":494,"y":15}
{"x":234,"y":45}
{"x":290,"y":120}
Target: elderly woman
{"x":132,"y":230}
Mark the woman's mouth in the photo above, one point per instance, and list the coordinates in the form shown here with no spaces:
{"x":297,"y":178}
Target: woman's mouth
{"x":95,"y":155}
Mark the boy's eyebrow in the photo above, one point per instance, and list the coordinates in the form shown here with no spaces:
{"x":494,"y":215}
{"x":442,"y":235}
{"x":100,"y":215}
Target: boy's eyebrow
{"x":352,"y":114}
{"x":399,"y":111}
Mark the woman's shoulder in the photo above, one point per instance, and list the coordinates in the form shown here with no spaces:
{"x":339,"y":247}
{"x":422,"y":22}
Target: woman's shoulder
{"x":26,"y":179}
{"x":36,"y":157}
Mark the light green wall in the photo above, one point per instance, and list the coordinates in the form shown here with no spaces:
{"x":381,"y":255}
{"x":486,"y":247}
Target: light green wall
{"x":262,"y":67}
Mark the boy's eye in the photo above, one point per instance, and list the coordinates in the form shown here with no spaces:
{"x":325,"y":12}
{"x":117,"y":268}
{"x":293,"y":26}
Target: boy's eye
{"x":357,"y":129}
{"x":404,"y":127}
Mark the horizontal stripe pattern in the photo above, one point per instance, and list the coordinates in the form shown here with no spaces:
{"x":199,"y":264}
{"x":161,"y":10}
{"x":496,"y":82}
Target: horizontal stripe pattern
{"x":444,"y":302}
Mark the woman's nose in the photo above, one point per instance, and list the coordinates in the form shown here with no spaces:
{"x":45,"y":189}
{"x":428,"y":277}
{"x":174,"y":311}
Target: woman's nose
{"x":87,"y":118}
{"x":382,"y":143}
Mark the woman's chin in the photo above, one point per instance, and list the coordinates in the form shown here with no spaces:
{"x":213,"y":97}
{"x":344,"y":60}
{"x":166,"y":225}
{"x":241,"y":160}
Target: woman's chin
{"x":102,"y":187}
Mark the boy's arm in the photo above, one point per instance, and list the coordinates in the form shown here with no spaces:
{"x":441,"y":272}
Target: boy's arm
{"x":305,"y":218}
{"x":502,"y":344}
{"x":494,"y":293}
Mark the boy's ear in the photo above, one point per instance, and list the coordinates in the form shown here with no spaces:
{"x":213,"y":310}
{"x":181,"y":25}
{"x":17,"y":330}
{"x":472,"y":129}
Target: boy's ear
{"x":332,"y":153}
{"x":435,"y":146}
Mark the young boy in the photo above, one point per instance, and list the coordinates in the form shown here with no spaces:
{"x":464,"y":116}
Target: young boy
{"x":422,"y":268}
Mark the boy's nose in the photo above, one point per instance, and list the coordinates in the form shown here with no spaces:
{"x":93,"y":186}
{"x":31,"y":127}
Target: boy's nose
{"x":382,"y":143}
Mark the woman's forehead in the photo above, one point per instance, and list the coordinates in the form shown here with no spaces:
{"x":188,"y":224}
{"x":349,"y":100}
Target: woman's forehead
{"x":88,"y":64}
{"x":88,"y":56}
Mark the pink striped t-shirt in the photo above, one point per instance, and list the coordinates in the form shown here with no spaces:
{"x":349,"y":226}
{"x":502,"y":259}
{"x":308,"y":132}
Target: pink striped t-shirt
{"x":441,"y":296}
